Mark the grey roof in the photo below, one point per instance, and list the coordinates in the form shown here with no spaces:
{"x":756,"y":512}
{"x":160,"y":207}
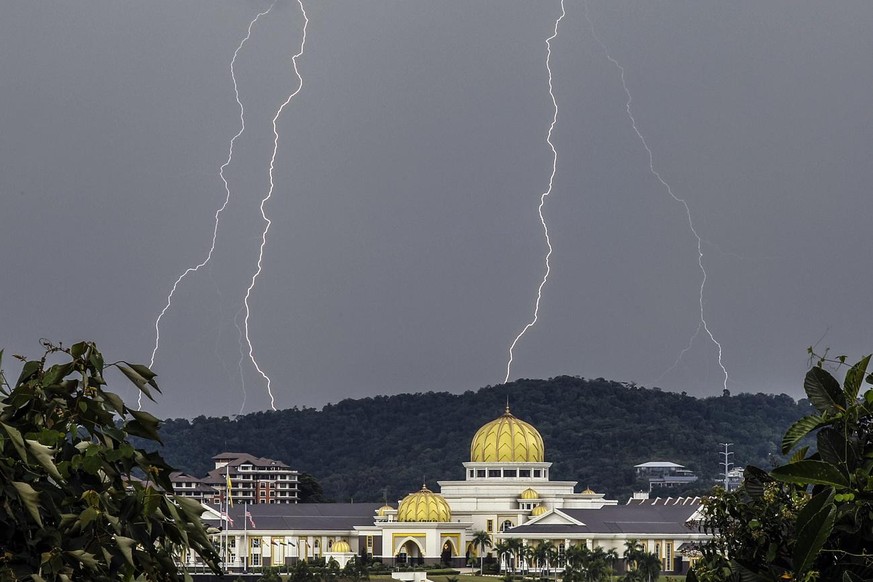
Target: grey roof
{"x":623,"y":519}
{"x":237,"y":458}
{"x":659,"y":465}
{"x":306,"y":516}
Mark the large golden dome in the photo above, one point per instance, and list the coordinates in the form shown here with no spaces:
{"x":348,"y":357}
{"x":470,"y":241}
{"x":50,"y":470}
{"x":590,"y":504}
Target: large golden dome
{"x":424,"y":505}
{"x":507,"y":440}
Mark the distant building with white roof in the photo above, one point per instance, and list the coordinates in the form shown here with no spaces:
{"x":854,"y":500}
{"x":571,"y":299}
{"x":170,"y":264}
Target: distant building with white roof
{"x":664,"y":474}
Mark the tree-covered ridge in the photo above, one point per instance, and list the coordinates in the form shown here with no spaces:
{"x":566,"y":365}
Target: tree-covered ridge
{"x":595,"y":431}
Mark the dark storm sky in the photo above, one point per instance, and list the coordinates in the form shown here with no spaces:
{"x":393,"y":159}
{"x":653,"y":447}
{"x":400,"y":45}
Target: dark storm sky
{"x":405,"y":250}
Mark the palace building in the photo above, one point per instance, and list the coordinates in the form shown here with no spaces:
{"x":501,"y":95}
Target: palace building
{"x":507,"y":492}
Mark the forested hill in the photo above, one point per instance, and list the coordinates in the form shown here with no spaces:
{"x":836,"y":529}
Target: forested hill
{"x":595,"y":431}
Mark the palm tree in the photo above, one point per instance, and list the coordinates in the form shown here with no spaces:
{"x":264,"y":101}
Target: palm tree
{"x":482,"y":539}
{"x":649,"y":567}
{"x":633,"y":551}
{"x":576,"y":558}
{"x":598,"y":566}
{"x":502,"y":548}
{"x":516,"y":547}
{"x":544,"y":554}
{"x":529,"y":555}
{"x":611,"y":559}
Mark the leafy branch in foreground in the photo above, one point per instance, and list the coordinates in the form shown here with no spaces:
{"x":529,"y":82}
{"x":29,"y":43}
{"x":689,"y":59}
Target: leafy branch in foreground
{"x":811,"y":518}
{"x":77,"y":500}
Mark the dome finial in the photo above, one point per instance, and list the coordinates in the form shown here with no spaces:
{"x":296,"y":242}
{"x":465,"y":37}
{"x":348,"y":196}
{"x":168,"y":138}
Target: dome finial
{"x":507,"y":404}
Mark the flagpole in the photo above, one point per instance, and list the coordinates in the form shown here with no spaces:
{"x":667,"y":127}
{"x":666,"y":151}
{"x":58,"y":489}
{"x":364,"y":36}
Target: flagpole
{"x":246,"y":537}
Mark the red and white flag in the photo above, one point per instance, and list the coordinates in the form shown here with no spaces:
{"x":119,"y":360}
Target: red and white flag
{"x":249,"y":515}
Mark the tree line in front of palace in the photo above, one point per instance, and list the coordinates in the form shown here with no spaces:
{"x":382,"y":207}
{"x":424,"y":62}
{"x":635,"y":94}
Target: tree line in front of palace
{"x":595,"y":431}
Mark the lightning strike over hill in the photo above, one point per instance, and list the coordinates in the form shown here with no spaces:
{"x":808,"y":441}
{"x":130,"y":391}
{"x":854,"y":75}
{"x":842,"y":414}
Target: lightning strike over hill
{"x":267,"y":221}
{"x":223,"y":206}
{"x":543,"y":196}
{"x":702,"y":323}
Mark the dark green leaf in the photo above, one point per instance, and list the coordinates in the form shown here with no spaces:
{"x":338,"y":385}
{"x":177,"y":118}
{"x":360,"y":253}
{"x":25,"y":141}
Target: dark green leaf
{"x":115,"y":402}
{"x":854,"y":377}
{"x":17,"y":441}
{"x":800,"y":429}
{"x":143,"y":425}
{"x":810,"y":473}
{"x":814,"y":524}
{"x":78,"y":349}
{"x":138,"y":380}
{"x":834,"y":449}
{"x":824,"y":391}
{"x":88,"y":560}
{"x":58,"y":372}
{"x":28,"y":370}
{"x":126,"y":546}
{"x":30,"y":498}
{"x":44,"y":456}
{"x":747,"y":574}
{"x":146,"y":373}
{"x":754,"y":481}
{"x":799,"y":454}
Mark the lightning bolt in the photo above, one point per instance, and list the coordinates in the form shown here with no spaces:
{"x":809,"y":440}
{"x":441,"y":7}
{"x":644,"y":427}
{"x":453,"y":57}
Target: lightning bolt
{"x":267,"y":221}
{"x":239,"y":364}
{"x":221,"y":208}
{"x":543,"y":197}
{"x":702,"y":323}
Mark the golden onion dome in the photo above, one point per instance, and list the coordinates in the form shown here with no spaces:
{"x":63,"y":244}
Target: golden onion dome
{"x":383,"y":510}
{"x":424,"y":505}
{"x":539,"y":510}
{"x":341,"y":547}
{"x":589,"y":491}
{"x":507,"y":440}
{"x":529,"y":494}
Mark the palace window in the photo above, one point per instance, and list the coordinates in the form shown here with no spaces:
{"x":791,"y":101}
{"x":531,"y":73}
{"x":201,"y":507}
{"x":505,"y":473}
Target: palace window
{"x":524,"y":472}
{"x":538,"y":473}
{"x":489,"y":527}
{"x":494,"y":472}
{"x":509,"y":472}
{"x":505,"y":525}
{"x":480,"y":472}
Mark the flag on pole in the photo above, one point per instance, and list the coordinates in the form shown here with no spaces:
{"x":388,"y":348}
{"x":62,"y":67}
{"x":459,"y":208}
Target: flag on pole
{"x":249,"y":515}
{"x":229,"y":493}
{"x":226,"y":516}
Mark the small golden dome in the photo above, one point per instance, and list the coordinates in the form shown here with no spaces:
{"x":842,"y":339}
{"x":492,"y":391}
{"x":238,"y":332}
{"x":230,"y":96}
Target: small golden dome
{"x":507,"y":440}
{"x":424,"y":505}
{"x":383,"y":510}
{"x":529,"y":494}
{"x":539,"y":510}
{"x":341,"y":547}
{"x":589,"y":491}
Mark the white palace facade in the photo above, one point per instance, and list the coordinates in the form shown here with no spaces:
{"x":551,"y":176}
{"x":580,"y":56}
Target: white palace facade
{"x":507,"y":492}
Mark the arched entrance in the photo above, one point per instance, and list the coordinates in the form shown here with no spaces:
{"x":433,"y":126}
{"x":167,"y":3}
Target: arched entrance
{"x":410,"y":552}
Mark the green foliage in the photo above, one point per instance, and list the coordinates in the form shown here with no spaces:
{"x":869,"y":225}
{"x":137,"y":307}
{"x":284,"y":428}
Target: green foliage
{"x":595,"y":431}
{"x":811,"y":518}
{"x":309,"y":490}
{"x":642,"y":566}
{"x":586,"y":565}
{"x":77,"y":500}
